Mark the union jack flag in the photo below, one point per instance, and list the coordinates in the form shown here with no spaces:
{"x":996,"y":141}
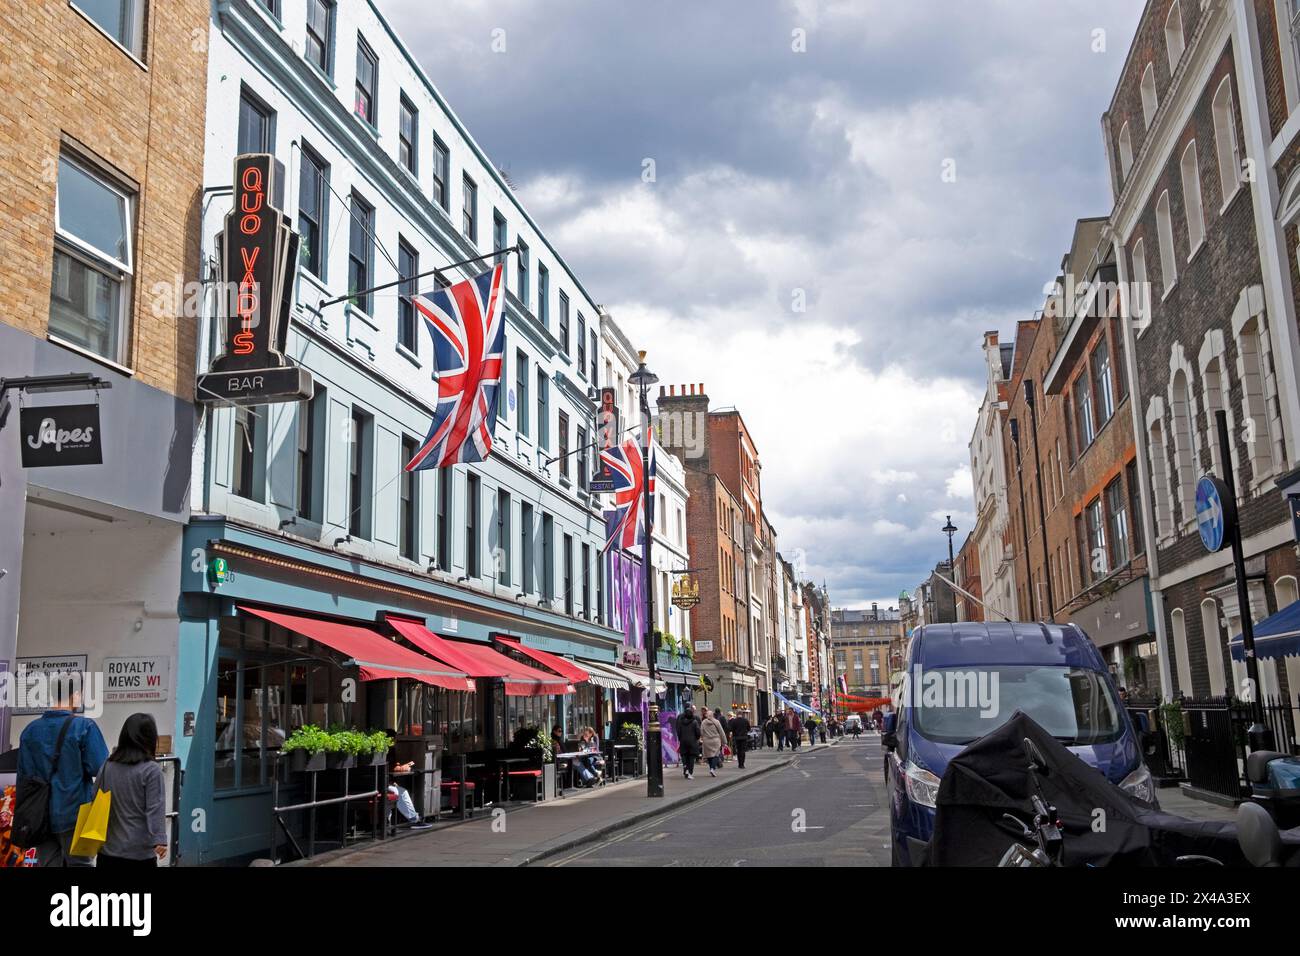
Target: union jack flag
{"x":624,"y":463}
{"x":844,"y":684}
{"x":467,"y":324}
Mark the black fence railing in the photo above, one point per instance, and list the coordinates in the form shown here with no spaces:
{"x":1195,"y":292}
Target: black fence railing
{"x":1214,"y":739}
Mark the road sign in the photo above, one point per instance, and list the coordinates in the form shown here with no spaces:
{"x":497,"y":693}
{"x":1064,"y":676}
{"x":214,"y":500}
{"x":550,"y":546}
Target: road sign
{"x":1214,"y":512}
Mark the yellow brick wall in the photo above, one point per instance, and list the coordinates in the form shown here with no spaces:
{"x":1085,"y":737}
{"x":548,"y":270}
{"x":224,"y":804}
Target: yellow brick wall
{"x":62,"y":79}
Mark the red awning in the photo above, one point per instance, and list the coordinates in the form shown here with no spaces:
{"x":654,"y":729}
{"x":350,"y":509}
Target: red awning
{"x":565,"y":668}
{"x":479,"y":660}
{"x":376,"y":656}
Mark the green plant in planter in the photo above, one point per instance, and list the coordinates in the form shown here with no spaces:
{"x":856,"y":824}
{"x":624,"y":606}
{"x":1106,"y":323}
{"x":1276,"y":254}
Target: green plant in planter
{"x":380,"y":742}
{"x":1132,"y":667}
{"x":635,"y":732}
{"x":532,"y":738}
{"x":311,"y":739}
{"x":352,"y":743}
{"x":1171,"y":715}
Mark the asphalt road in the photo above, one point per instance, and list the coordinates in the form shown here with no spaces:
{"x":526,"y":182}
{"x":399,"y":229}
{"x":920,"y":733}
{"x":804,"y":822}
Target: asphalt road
{"x":826,"y":808}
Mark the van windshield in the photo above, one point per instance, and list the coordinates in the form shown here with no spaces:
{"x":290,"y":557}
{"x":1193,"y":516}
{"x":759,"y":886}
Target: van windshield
{"x":1074,"y":705}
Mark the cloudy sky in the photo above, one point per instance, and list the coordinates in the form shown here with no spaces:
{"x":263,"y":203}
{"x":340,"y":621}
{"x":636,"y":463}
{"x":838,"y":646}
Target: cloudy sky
{"x":843,"y":196}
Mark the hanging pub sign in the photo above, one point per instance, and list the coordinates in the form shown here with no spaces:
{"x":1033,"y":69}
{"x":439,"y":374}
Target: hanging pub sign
{"x":54,"y":435}
{"x":686,"y":593}
{"x":258,"y":252}
{"x":606,"y":437}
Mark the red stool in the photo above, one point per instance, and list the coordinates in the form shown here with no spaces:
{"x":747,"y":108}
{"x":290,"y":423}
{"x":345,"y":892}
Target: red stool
{"x":454,"y":787}
{"x":534,"y":775}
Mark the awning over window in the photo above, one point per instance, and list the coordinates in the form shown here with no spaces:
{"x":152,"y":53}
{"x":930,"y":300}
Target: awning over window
{"x":676,"y":677}
{"x":377,"y":657}
{"x":561,"y":665}
{"x":611,"y":677}
{"x":479,"y":660}
{"x":1277,"y":636}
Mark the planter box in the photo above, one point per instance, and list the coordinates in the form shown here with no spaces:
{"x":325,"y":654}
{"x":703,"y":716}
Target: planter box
{"x":300,"y":761}
{"x":374,"y":760}
{"x":338,"y":761}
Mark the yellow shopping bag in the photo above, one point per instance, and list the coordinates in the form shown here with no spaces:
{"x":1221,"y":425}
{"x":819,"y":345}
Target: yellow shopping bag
{"x":92,"y":825}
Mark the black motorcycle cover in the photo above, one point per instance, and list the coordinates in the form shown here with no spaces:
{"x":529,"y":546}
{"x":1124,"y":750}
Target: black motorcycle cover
{"x":1102,"y":825}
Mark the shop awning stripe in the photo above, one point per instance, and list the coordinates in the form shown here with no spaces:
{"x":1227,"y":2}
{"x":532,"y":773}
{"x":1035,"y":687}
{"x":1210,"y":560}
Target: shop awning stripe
{"x":479,"y":660}
{"x":562,"y":666}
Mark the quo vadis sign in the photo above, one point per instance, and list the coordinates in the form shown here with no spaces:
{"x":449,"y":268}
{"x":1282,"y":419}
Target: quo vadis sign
{"x":258,"y":251}
{"x":55,"y":435}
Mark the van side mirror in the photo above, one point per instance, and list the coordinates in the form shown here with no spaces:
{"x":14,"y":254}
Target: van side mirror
{"x":889,"y":733}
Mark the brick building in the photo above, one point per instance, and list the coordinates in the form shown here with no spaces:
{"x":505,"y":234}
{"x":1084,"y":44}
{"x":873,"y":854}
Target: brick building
{"x":989,"y":475}
{"x":968,"y":577}
{"x":102,"y":155}
{"x":723,"y":515}
{"x":860,"y":647}
{"x":1198,"y":136}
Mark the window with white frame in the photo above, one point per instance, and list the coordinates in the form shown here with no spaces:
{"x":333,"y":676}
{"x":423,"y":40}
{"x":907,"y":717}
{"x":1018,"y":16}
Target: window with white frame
{"x":1179,"y":628}
{"x":1226,"y":149}
{"x":1191,"y":172}
{"x":1174,"y":35}
{"x":1160,"y":501}
{"x":1149,"y":101}
{"x":1125,"y":151}
{"x":1213,"y":638}
{"x":1182,"y":409}
{"x":90,"y":292}
{"x":123,"y":20}
{"x":1258,"y":395}
{"x":1165,"y":230}
{"x":1140,"y":290}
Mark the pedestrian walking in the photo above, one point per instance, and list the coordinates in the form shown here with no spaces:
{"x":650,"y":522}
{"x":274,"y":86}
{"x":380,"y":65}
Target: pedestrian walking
{"x":810,"y":725}
{"x":688,"y":740}
{"x":713,"y":738}
{"x":821,"y":730}
{"x":740,"y":738}
{"x":137,"y":816}
{"x":60,"y":751}
{"x":775,"y":733}
{"x":792,"y":730}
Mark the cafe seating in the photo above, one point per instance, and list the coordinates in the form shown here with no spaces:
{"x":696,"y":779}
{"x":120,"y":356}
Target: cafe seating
{"x":452,"y":789}
{"x":523,"y":776}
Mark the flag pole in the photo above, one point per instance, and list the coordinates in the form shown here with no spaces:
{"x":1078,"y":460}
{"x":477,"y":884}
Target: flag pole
{"x":423,"y":275}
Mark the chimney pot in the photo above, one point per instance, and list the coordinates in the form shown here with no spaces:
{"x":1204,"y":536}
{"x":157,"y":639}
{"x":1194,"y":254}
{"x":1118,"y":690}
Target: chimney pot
{"x":692,"y":389}
{"x":701,"y":388}
{"x":661,"y":391}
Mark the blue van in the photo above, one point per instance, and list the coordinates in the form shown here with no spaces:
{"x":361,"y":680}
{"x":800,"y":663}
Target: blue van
{"x":967,"y":679}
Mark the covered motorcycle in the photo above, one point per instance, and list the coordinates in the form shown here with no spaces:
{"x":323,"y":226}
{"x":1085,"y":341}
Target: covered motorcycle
{"x":1100,"y":824}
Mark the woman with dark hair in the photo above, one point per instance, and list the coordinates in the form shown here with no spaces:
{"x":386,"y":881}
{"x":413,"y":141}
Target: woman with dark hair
{"x":137,"y":818}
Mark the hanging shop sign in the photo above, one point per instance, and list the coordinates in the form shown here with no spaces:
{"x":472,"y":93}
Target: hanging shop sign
{"x":606,"y":437}
{"x":55,"y":435}
{"x":136,"y":679}
{"x":631,"y":656}
{"x":258,"y":251}
{"x":686,"y":593}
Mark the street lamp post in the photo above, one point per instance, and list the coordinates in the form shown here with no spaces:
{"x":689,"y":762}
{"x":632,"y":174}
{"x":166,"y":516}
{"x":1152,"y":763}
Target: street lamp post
{"x":643,"y":378}
{"x":1042,"y":514}
{"x":950,"y":529}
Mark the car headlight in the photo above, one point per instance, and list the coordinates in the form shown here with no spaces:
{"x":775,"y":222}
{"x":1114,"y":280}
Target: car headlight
{"x":1139,"y":784}
{"x":922,"y":785}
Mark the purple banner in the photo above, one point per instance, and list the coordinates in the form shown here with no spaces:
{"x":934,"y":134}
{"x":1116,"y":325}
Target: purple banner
{"x":625,"y":597}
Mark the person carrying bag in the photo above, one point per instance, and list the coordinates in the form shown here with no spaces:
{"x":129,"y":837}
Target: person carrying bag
{"x":58,"y":756}
{"x":135,"y":831}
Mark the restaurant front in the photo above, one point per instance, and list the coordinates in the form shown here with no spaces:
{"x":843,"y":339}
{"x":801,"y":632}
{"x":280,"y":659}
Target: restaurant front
{"x":278,"y":634}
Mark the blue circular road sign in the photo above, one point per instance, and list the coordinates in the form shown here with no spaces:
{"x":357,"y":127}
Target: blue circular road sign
{"x":1213,"y":512}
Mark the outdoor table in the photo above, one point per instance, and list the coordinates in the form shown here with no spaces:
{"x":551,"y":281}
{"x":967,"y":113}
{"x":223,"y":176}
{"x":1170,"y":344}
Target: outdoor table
{"x":619,"y":764}
{"x":577,"y":754}
{"x":502,"y":764}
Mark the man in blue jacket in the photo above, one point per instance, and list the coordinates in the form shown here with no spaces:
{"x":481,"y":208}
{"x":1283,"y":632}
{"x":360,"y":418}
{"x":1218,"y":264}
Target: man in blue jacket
{"x":82,"y":755}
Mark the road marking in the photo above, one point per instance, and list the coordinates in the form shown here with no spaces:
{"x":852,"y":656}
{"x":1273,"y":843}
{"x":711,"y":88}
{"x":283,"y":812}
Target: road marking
{"x":657,"y":836}
{"x":804,"y":772}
